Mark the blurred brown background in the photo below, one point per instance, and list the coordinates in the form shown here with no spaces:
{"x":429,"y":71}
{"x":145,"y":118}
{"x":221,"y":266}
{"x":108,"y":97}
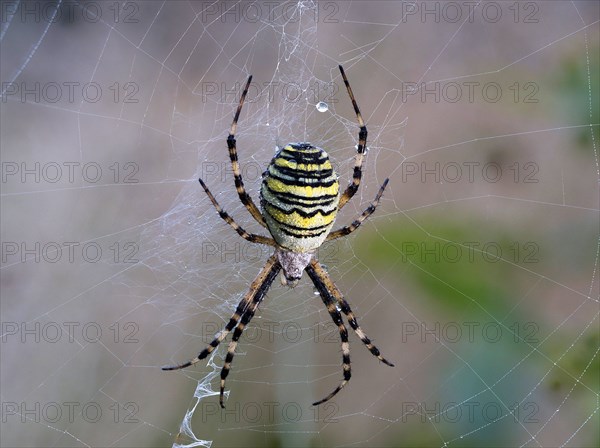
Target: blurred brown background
{"x":477,"y":276}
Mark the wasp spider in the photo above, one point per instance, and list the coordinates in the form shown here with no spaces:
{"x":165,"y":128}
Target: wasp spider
{"x":300,"y":198}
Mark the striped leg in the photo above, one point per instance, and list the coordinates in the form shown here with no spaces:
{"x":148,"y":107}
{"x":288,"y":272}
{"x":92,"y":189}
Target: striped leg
{"x":330,"y":303}
{"x":347,"y":230}
{"x":248,"y":315}
{"x":258,"y":287}
{"x":360,"y":151}
{"x":335,"y":292}
{"x":229,"y":220}
{"x":239,"y":183}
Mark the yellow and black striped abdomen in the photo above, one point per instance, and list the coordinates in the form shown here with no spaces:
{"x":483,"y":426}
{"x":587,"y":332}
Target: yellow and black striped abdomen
{"x":299,"y":197}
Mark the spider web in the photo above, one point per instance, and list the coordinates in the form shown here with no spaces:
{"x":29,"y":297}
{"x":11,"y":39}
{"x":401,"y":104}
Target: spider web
{"x":477,"y":276}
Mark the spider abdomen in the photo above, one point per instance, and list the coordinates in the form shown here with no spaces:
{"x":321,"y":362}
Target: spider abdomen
{"x":299,"y":197}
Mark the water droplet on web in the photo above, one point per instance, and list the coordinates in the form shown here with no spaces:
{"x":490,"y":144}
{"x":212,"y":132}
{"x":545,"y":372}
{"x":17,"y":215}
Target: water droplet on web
{"x":322,"y":107}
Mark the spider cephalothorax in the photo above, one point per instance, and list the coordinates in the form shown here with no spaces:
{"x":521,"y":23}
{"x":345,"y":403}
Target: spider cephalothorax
{"x":300,"y":199}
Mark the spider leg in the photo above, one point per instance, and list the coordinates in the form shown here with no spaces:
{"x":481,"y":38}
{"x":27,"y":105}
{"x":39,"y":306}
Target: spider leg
{"x":347,"y":230}
{"x":330,"y":302}
{"x":261,"y":290}
{"x":253,"y":238}
{"x":322,"y":275}
{"x":258,"y":287}
{"x":239,"y":183}
{"x":360,"y":150}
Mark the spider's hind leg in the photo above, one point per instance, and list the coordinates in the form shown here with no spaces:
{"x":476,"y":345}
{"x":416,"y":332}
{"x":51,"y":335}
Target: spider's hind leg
{"x":360,"y":149}
{"x":233,"y":156}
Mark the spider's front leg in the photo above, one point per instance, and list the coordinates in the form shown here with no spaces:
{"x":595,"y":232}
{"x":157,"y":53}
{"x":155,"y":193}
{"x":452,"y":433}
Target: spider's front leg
{"x":257,"y":290}
{"x":246,"y":318}
{"x":318,"y":274}
{"x":329,"y":302}
{"x":266,"y":280}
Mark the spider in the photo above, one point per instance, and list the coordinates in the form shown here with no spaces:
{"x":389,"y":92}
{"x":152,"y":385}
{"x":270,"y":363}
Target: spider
{"x":300,"y":198}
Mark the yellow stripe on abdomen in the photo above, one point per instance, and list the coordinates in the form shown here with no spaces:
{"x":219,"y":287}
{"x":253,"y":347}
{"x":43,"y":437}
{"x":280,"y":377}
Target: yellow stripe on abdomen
{"x":314,"y":224}
{"x":299,"y":197}
{"x":305,"y":191}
